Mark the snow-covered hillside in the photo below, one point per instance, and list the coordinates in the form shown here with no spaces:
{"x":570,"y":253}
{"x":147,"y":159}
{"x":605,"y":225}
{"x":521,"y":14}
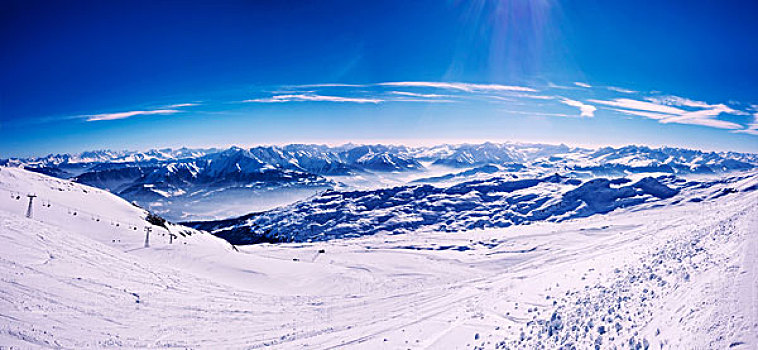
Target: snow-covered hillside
{"x":495,"y":202}
{"x":674,"y":273}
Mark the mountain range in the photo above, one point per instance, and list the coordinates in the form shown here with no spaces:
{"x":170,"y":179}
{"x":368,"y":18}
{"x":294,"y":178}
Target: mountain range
{"x":198,"y":184}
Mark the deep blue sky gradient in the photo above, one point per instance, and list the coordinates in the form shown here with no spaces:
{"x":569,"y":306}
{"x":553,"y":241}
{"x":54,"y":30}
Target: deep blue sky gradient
{"x":63,"y":60}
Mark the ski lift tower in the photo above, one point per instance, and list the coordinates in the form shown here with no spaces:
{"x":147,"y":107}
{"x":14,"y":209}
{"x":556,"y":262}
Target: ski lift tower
{"x":29,"y":209}
{"x":147,"y":236}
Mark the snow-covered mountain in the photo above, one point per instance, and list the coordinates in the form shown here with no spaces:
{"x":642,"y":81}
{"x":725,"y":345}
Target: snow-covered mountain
{"x":186,"y":184}
{"x":85,"y":160}
{"x":473,"y":155}
{"x":347,"y":159}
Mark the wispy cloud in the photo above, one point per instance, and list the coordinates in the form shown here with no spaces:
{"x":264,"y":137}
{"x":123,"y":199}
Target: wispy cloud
{"x":704,"y":118}
{"x":413,"y":94}
{"x":752,"y":128}
{"x":165,"y":110}
{"x":468,"y":87}
{"x":124,"y":115}
{"x":677,"y":101}
{"x":585,"y":109}
{"x":427,"y":100}
{"x":621,"y":90}
{"x":661,"y":109}
{"x":312,"y":97}
{"x":639,"y":105}
{"x":651,"y":115}
{"x":180,"y":105}
{"x":665,"y":109}
{"x":328,"y":85}
{"x":512,"y":97}
{"x":531,"y":96}
{"x":671,"y":100}
{"x":405,"y":96}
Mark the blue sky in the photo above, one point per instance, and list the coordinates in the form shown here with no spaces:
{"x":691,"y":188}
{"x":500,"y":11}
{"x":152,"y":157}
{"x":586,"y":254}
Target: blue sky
{"x":135,"y":75}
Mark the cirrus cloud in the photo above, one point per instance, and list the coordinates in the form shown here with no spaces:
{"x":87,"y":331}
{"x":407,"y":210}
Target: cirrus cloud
{"x":627,"y":103}
{"x":312,"y":98}
{"x":129,"y":114}
{"x":665,"y":109}
{"x":413,"y":94}
{"x":662,"y":109}
{"x":467,"y":87}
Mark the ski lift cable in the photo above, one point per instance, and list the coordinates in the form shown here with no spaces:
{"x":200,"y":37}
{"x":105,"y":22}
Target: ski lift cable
{"x":87,"y":213}
{"x":73,"y":210}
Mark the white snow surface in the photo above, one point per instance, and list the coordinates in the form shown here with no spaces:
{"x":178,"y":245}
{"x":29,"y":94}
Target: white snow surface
{"x":679,"y":276}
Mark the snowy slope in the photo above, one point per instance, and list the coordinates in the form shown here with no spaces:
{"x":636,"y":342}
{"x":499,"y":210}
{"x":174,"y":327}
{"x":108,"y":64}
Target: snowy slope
{"x":106,"y":219}
{"x":680,"y":275}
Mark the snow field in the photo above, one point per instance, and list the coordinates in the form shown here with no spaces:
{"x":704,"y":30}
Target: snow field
{"x":668,"y":276}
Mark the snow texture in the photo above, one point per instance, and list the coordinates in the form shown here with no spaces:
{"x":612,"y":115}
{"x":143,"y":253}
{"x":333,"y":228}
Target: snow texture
{"x":676,"y":272}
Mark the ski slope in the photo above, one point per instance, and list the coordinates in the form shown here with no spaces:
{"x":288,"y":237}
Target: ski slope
{"x":678,"y":274}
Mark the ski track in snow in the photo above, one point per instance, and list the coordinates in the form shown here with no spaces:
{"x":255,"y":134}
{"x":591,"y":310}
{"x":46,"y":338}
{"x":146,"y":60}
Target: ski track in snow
{"x":677,"y":276}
